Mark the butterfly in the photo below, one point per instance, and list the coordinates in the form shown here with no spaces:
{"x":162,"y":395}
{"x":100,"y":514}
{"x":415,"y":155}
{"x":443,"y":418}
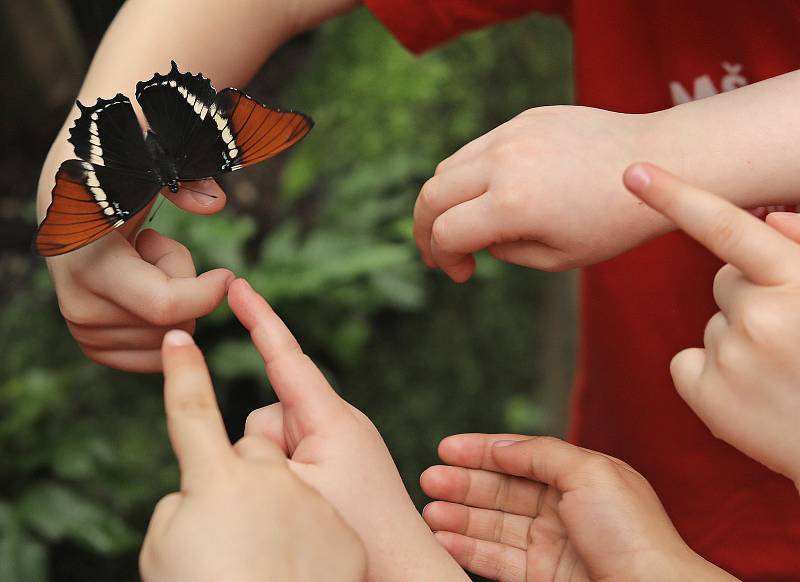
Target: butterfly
{"x":194,"y":133}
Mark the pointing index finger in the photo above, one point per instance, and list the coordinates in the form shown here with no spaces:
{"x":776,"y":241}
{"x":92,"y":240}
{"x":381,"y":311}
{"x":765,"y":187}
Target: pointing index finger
{"x":194,"y":421}
{"x":729,"y":232}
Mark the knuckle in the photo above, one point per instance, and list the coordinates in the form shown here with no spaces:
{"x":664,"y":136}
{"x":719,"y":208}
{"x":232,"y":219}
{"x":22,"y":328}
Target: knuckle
{"x":252,"y":422}
{"x":503,"y":152}
{"x":600,"y":466}
{"x":440,"y":233}
{"x":159,"y":311}
{"x":182,"y":251}
{"x":759,"y":321}
{"x":442,"y":166}
{"x":74,"y":313}
{"x":507,"y":201}
{"x":195,"y":404}
{"x":728,"y":357}
{"x":427,"y":193}
{"x":724,"y":231}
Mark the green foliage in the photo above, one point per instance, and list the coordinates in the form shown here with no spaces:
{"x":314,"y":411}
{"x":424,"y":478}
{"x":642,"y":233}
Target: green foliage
{"x":83,"y":450}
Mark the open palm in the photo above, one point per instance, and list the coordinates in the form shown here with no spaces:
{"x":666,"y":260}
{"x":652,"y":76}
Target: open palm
{"x":522,"y":509}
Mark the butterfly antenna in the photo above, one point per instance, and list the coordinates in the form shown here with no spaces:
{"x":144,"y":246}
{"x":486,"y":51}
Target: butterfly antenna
{"x":185,"y":187}
{"x":160,"y":204}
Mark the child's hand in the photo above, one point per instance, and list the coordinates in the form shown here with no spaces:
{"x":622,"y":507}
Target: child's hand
{"x":120,"y":294}
{"x":241,"y":514}
{"x":541,"y":190}
{"x":518,"y":509}
{"x":336,"y":449}
{"x":745,"y":384}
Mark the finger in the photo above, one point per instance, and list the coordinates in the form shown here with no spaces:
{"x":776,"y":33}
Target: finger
{"x":462,"y":230}
{"x":482,"y":524}
{"x":732,"y":234}
{"x":716,"y":328}
{"x":124,"y":338}
{"x":194,"y":421}
{"x":198,"y":196}
{"x":297,"y":382}
{"x":473,"y":450}
{"x":90,"y":311}
{"x":786,"y":223}
{"x":484,"y":489}
{"x":488,"y":559}
{"x":546,"y":459}
{"x":533,"y":254}
{"x":165,"y":253}
{"x":254,"y":447}
{"x":458,"y":184}
{"x":149,"y":293}
{"x":686,"y":368}
{"x":268,"y":422}
{"x":141,"y":361}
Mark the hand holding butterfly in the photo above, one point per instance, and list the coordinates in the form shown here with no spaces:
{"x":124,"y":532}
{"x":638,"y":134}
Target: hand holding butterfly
{"x":336,"y":449}
{"x":529,"y":509}
{"x":241,"y":513}
{"x":745,"y":383}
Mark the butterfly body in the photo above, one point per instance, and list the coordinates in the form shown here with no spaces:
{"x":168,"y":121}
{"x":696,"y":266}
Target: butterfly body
{"x":164,"y":166}
{"x":194,"y":133}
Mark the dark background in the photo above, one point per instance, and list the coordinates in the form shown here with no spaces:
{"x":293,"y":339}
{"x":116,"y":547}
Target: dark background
{"x":324,"y":232}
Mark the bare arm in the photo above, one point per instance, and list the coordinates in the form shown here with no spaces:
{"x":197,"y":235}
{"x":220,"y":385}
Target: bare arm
{"x":120,"y":294}
{"x":741,"y":144}
{"x":226,"y":41}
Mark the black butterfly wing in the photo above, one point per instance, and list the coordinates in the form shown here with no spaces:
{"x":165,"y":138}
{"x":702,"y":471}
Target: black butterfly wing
{"x":205,"y":133}
{"x":179,"y":109}
{"x":253,"y":132}
{"x":89,"y":201}
{"x":108,"y":134}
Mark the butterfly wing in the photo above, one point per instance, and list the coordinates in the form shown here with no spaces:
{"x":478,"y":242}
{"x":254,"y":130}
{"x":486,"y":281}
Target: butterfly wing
{"x":206,"y":133}
{"x":253,"y":132}
{"x":89,"y":201}
{"x":108,"y":134}
{"x":179,"y":109}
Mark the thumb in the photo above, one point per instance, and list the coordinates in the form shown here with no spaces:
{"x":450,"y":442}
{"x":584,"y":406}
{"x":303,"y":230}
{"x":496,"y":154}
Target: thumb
{"x":786,"y":223}
{"x":198,"y":196}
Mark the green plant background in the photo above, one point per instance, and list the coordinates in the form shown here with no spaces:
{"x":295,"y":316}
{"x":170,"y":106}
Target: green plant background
{"x":324,"y":233}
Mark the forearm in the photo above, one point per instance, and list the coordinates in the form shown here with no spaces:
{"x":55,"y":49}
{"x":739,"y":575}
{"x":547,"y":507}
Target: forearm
{"x":226,"y":41}
{"x":741,"y":144}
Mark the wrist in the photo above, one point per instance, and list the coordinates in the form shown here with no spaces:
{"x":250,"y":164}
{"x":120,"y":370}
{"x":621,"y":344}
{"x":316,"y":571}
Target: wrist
{"x":410,"y":552}
{"x":685,"y":565}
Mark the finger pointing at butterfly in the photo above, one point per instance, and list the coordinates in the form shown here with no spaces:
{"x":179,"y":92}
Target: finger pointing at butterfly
{"x":244,"y":495}
{"x":745,"y":382}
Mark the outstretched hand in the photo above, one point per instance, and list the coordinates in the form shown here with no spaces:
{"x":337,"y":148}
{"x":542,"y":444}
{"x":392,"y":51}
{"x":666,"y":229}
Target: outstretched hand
{"x":744,"y":384}
{"x":120,"y":294}
{"x":335,"y":448}
{"x":529,"y":509}
{"x":241,"y":514}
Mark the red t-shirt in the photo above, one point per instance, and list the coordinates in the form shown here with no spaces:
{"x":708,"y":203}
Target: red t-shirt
{"x":641,"y":308}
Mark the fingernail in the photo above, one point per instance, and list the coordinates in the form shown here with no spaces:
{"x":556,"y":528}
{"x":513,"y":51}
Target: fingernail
{"x":177,"y":337}
{"x":504,"y":443}
{"x":637,"y":178}
{"x":785,"y":215}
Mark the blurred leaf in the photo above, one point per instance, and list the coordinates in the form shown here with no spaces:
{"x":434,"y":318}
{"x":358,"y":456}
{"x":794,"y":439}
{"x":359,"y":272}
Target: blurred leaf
{"x":236,"y":358}
{"x":57,"y":513}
